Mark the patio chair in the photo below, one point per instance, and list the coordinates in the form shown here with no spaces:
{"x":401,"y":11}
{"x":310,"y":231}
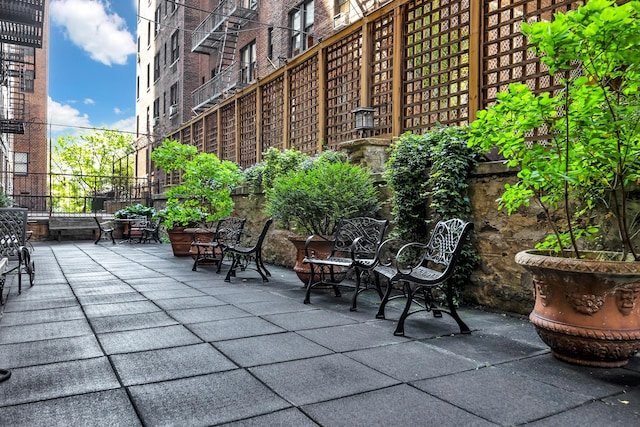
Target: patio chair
{"x":421,"y":268}
{"x":354,"y":248}
{"x":242,"y":255}
{"x":13,"y":244}
{"x":151,"y":231}
{"x":137,"y":227}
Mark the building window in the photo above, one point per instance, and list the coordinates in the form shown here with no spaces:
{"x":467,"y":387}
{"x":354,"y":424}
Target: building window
{"x":270,"y":43}
{"x":20,"y":163}
{"x":138,"y":88}
{"x":156,"y":67}
{"x":148,"y":76}
{"x":301,"y":24}
{"x":248,"y":64}
{"x":175,"y":52}
{"x":156,"y":111}
{"x":173,"y":99}
{"x":156,"y":24}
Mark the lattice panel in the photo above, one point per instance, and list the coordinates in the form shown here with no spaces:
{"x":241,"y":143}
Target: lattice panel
{"x":343,"y":87}
{"x":185,"y":136}
{"x":211,"y":142}
{"x":273,"y":114}
{"x":247,"y":123}
{"x":505,"y":56}
{"x":382,"y":74}
{"x":303,"y":106}
{"x":198,"y":135}
{"x":436,"y":87}
{"x":228,"y":137}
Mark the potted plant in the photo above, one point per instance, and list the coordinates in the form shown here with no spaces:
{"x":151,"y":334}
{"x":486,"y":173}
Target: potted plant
{"x":204,"y":195}
{"x":135,"y":210}
{"x":314,"y":197}
{"x":581,"y":177}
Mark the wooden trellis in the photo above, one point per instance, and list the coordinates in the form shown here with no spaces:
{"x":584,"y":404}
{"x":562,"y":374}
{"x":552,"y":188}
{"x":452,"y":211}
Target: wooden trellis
{"x":273,"y":114}
{"x":198,"y":136}
{"x":436,"y":83}
{"x":228,"y":132}
{"x":303,"y":107}
{"x":247,"y":143}
{"x":343,"y":87}
{"x":211,"y":140}
{"x":382,"y":74}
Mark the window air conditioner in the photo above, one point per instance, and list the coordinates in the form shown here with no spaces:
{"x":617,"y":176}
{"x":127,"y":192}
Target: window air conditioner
{"x":341,"y":20}
{"x":173,"y":109}
{"x":156,"y":120}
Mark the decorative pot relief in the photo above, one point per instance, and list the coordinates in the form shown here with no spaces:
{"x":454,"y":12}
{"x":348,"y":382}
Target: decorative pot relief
{"x":626,"y":298}
{"x":585,"y":304}
{"x":544,"y":291}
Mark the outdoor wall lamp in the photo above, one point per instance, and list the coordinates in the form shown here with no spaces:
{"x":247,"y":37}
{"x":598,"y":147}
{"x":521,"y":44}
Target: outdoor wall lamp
{"x":363,"y":119}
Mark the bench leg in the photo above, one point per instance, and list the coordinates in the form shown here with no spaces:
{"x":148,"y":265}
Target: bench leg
{"x":4,"y":375}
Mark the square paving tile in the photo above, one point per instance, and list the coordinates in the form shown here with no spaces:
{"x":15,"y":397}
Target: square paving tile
{"x":242,"y":298}
{"x":130,"y":322}
{"x":205,"y":400}
{"x":320,"y":378}
{"x":49,"y":351}
{"x":16,"y":304}
{"x":147,"y":339}
{"x":172,"y":293}
{"x":265,"y":349}
{"x":287,"y":417}
{"x":413,"y":360}
{"x":110,"y":408}
{"x":41,"y":316}
{"x":352,"y":337}
{"x":207,"y":314}
{"x":103,"y":290}
{"x":120,"y":309}
{"x":111,"y":298}
{"x":171,"y":363}
{"x":498,"y":391}
{"x":54,"y":380}
{"x":44,"y":331}
{"x":311,"y":319}
{"x":395,"y":406}
{"x":189,"y":302}
{"x":233,"y":328}
{"x":273,"y":307}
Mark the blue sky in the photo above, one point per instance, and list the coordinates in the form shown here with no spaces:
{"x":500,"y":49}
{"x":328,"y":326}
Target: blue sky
{"x":92,"y":65}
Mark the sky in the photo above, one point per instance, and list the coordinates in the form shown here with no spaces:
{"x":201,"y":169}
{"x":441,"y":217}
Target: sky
{"x":92,"y":65}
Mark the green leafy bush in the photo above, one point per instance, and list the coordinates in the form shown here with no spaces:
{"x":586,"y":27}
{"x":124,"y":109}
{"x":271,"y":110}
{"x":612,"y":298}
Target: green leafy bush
{"x":137,"y":209}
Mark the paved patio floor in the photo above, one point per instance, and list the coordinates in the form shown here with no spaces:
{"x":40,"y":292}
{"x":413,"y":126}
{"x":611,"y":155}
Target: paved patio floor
{"x":128,"y":335}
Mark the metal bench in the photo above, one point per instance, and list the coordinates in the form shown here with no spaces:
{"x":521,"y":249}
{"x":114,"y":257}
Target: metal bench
{"x":66,"y":223}
{"x":227,"y":233}
{"x":420,"y":268}
{"x":354,"y":248}
{"x":13,"y":244}
{"x":105,"y":229}
{"x":242,"y":254}
{"x":4,"y":373}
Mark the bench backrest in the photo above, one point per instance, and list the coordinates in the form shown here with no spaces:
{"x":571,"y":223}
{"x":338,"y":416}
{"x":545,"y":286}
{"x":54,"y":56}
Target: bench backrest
{"x":13,"y":230}
{"x":445,"y":245}
{"x":229,"y":230}
{"x":363,"y":235}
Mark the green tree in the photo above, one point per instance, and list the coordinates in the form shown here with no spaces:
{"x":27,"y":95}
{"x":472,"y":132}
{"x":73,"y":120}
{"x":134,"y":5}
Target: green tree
{"x":86,"y":165}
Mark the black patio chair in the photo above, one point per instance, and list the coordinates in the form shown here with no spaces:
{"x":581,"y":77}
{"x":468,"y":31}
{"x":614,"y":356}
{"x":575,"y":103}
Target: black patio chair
{"x":213,"y":250}
{"x":105,"y":229}
{"x":421,"y":268}
{"x":13,"y":245}
{"x":242,"y":255}
{"x":354,"y":248}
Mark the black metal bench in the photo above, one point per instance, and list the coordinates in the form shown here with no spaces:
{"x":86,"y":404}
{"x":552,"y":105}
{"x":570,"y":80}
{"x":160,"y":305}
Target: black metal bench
{"x":354,"y":247}
{"x":66,"y":223}
{"x":4,"y":373}
{"x":227,"y":233}
{"x":421,"y":268}
{"x":13,"y":244}
{"x":105,"y":229}
{"x":243,"y":253}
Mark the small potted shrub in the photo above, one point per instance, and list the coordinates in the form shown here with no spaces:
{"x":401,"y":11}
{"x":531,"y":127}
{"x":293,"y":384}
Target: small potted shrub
{"x":203,"y":197}
{"x":313,"y":198}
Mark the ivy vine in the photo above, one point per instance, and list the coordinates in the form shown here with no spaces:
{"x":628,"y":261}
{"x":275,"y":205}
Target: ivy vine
{"x":428,"y":175}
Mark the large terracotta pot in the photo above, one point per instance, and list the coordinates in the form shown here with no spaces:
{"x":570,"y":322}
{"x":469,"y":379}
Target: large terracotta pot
{"x":320,"y":246}
{"x":181,"y":239}
{"x":587,"y":311}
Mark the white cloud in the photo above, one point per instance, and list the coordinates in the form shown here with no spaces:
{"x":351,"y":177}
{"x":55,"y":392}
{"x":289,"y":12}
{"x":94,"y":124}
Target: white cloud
{"x":89,"y":101}
{"x":125,"y":125}
{"x":64,"y":117}
{"x":117,"y":111}
{"x":92,"y":26}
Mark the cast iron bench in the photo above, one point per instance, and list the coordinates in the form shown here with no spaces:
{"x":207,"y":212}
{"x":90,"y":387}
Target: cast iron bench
{"x":105,"y":228}
{"x":4,"y":373}
{"x":354,"y":248}
{"x":65,"y":223}
{"x":243,"y":253}
{"x":421,"y":268}
{"x":227,"y":233}
{"x":13,"y":244}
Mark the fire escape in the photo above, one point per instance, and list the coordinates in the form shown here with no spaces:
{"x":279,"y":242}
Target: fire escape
{"x":21,"y":31}
{"x":218,"y":35}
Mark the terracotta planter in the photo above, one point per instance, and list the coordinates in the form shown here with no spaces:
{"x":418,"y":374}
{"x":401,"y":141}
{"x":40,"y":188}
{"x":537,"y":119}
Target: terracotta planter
{"x":587,"y":311}
{"x":321,"y":247}
{"x":181,"y":238}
